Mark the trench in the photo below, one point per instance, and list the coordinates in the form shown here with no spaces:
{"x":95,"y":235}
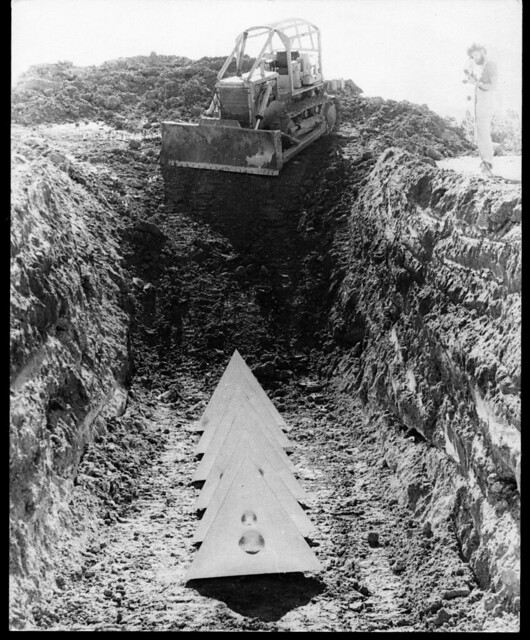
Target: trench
{"x":253,"y":258}
{"x":219,"y":262}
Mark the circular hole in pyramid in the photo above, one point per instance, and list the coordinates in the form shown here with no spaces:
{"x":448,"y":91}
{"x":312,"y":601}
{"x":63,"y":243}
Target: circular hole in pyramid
{"x":252,"y":542}
{"x":248,"y":518}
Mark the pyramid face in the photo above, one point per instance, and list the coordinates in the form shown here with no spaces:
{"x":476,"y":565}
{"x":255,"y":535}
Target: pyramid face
{"x":268,"y":459}
{"x":275,"y":484}
{"x":238,"y":399}
{"x":224,"y":387}
{"x":245,"y":427}
{"x":236,"y":374}
{"x":253,"y":382}
{"x":251,"y":534}
{"x":252,"y":522}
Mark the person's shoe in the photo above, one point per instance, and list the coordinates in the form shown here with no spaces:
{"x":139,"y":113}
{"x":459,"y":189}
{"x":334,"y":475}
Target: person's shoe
{"x":486,"y":168}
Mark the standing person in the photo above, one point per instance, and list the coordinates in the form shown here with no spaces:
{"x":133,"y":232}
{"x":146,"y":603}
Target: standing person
{"x":484,"y":76}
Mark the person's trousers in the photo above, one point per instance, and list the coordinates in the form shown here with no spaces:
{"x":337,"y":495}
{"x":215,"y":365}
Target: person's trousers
{"x":484,"y":108}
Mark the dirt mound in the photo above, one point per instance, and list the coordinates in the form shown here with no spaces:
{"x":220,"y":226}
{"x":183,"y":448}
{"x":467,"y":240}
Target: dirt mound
{"x":125,"y":93}
{"x":376,"y":124}
{"x":143,"y":90}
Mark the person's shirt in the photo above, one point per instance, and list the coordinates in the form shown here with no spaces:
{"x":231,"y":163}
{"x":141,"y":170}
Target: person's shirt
{"x":488,"y":76}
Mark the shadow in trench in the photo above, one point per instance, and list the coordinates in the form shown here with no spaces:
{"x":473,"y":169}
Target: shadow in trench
{"x":267,"y":597}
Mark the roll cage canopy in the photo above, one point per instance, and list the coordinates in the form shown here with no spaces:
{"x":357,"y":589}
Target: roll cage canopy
{"x":294,"y":34}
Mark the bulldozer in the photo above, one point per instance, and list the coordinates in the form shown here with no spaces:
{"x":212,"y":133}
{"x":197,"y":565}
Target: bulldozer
{"x":259,"y":119}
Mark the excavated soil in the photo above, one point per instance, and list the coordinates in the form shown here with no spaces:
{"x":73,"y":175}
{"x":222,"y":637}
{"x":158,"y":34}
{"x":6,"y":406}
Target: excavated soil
{"x":246,"y":262}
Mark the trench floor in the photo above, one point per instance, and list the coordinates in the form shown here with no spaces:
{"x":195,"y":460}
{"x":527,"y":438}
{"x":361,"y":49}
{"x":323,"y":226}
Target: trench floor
{"x":135,"y":580}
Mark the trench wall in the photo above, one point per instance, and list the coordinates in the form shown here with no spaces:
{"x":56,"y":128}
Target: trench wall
{"x":424,"y":326}
{"x":68,"y":351}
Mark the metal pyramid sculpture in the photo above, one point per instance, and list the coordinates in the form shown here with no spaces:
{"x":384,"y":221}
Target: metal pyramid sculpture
{"x":252,"y":521}
{"x":236,"y":373}
{"x":251,"y":534}
{"x":268,"y":458}
{"x":239,"y":398}
{"x":221,"y":394}
{"x":258,"y":389}
{"x":274,"y":482}
{"x":245,"y":426}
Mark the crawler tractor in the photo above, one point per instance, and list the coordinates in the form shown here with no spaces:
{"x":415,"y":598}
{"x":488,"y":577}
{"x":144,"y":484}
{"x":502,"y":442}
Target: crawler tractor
{"x":261,"y":118}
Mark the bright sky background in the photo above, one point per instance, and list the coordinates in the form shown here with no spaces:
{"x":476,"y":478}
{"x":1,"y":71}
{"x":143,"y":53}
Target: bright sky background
{"x":398,"y":49}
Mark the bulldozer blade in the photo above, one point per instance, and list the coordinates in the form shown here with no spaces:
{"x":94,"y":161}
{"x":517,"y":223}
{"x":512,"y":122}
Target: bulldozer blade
{"x":221,"y":148}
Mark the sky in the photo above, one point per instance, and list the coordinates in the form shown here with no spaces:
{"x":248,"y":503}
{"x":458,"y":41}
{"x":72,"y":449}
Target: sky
{"x":411,"y":50}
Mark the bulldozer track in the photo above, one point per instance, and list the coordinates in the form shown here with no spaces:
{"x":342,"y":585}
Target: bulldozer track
{"x":296,"y":108}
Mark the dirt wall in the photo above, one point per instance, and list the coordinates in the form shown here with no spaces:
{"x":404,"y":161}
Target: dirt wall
{"x":68,"y":348}
{"x":425,"y":327}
